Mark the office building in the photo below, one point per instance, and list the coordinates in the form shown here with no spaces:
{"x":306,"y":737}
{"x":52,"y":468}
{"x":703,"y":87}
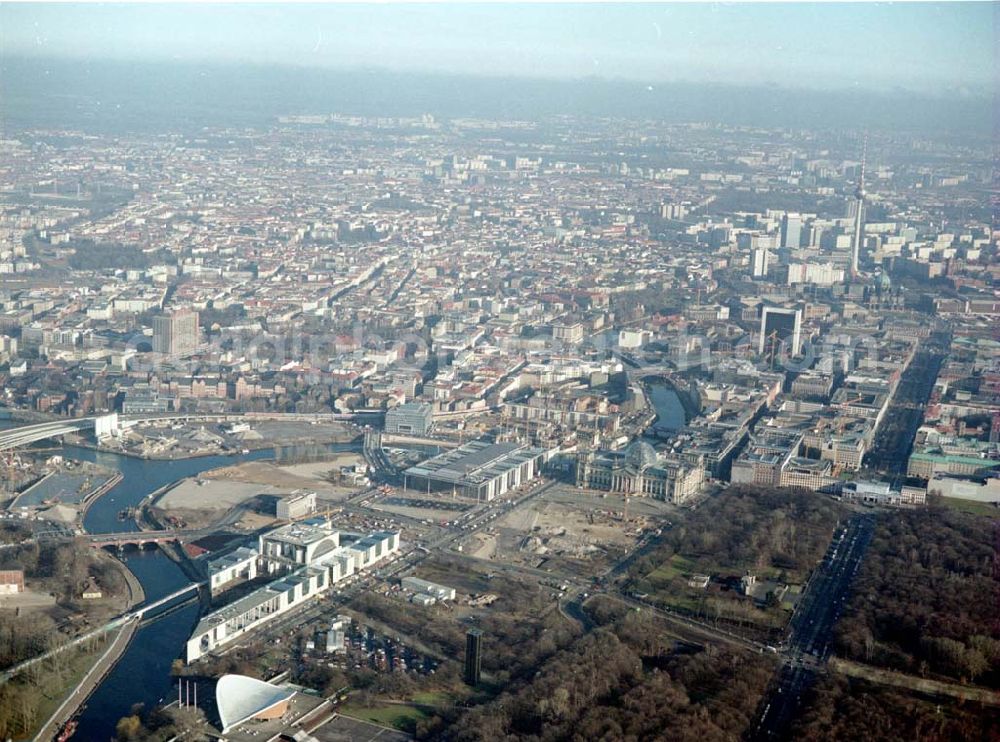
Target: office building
{"x":780,"y":326}
{"x":413,"y":418}
{"x":478,"y":469}
{"x":791,"y":230}
{"x":820,"y":274}
{"x":296,"y":506}
{"x":673,"y":211}
{"x":176,"y":333}
{"x":766,"y":456}
{"x":144,"y":401}
{"x":307,"y":560}
{"x":568,"y":330}
{"x":759,"y":259}
{"x":473,"y":656}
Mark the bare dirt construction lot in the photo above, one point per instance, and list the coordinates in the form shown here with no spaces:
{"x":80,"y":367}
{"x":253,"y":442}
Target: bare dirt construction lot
{"x":198,"y":503}
{"x":568,"y":527}
{"x":314,"y":476}
{"x":286,"y":432}
{"x":213,"y":494}
{"x":253,"y":486}
{"x":324,"y":476}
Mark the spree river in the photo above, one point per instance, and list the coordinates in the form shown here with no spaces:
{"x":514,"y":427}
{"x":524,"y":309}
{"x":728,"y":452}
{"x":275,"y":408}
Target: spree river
{"x":669,"y":409}
{"x":142,"y":675}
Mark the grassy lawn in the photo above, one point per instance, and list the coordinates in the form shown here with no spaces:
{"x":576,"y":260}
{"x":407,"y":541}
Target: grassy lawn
{"x":433,"y":698}
{"x":404,"y":715}
{"x":463,"y":580}
{"x":678,"y":602}
{"x":397,"y":716}
{"x":971,"y":506}
{"x":676,"y":566}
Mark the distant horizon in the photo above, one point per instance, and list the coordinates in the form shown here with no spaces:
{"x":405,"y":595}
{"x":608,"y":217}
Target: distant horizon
{"x":924,"y":48}
{"x":115,"y":95}
{"x":791,"y":86}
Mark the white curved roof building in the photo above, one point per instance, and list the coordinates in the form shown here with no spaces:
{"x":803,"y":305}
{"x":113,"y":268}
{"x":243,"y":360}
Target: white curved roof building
{"x":241,"y":698}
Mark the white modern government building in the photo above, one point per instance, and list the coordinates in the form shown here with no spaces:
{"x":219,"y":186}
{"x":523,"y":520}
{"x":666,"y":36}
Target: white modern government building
{"x":306,"y":559}
{"x":478,"y":469}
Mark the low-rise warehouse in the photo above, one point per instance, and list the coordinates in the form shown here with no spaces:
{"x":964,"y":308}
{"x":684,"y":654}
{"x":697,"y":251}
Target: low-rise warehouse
{"x":424,"y":587}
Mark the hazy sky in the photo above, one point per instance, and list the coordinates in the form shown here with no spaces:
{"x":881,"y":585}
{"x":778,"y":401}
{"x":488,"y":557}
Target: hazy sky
{"x":933,"y":47}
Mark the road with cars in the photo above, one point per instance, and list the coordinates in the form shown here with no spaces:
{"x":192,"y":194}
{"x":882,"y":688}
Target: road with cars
{"x":810,"y":636}
{"x":895,"y":436}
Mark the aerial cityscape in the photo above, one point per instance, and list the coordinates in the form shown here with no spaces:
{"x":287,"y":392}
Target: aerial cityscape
{"x":403,"y":399}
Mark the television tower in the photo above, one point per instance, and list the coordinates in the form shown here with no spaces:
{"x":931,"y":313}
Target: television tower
{"x":859,"y":195}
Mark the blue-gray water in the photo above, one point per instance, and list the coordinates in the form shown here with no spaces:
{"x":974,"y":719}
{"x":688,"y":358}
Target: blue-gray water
{"x":667,"y":405}
{"x":142,"y":675}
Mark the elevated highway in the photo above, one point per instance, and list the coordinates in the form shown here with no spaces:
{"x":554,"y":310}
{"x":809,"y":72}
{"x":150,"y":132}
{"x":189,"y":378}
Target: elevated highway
{"x":28,"y":434}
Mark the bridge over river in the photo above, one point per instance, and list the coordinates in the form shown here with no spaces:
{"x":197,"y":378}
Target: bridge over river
{"x":141,"y":538}
{"x":103,"y":425}
{"x":137,"y":615}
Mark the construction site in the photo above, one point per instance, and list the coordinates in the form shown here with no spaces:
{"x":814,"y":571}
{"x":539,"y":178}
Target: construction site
{"x":246,"y":495}
{"x":565,"y":528}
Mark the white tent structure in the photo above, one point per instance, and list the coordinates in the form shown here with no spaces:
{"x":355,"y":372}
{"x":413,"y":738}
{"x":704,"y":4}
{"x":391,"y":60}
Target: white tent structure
{"x":240,"y":698}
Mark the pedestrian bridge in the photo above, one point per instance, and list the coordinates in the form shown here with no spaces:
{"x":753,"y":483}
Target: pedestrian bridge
{"x":140,"y":613}
{"x":136,"y":614}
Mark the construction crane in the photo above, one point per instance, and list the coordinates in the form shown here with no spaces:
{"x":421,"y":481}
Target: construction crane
{"x":774,"y":346}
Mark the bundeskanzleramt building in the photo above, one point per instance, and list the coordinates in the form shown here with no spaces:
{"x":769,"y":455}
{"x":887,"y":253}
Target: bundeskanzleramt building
{"x":239,"y":565}
{"x":639,"y":470}
{"x":307,"y":560}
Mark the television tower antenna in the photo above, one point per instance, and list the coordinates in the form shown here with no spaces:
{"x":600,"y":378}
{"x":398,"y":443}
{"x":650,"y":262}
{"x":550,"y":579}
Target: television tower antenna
{"x":859,"y":195}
